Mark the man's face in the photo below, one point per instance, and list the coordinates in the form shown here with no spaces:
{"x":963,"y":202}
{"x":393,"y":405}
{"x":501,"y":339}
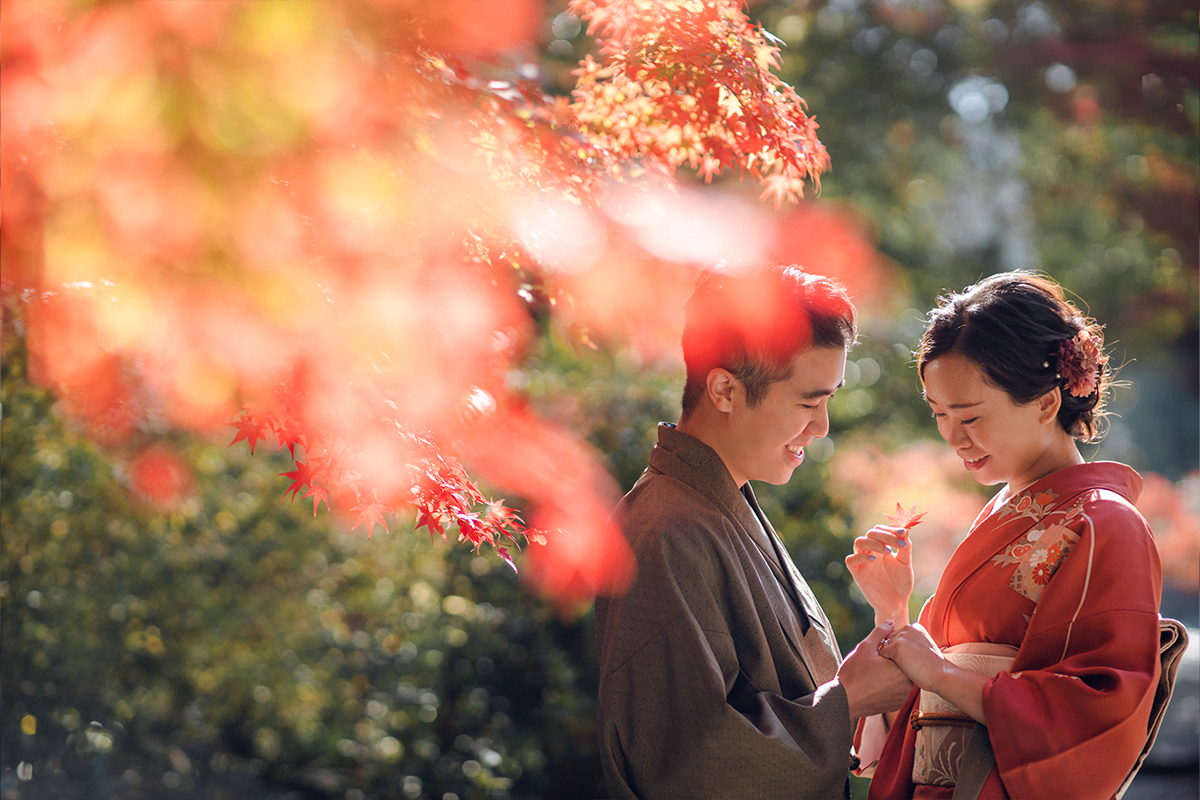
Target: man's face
{"x":768,"y":440}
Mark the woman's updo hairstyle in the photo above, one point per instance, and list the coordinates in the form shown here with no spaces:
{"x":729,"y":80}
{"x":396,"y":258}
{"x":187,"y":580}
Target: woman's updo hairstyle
{"x":1026,"y":339}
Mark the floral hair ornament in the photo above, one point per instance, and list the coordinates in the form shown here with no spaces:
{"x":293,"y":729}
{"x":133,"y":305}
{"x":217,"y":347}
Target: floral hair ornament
{"x":1080,"y":362}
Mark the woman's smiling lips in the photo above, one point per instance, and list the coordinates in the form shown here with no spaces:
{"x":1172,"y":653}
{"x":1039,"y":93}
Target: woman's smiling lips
{"x":975,"y":463}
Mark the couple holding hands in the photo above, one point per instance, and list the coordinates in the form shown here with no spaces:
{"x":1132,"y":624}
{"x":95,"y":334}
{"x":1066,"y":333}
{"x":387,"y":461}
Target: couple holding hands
{"x":1034,"y":671}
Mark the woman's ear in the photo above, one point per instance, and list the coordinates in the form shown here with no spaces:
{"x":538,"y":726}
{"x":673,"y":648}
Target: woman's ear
{"x":1049,"y":404}
{"x":721,"y":387}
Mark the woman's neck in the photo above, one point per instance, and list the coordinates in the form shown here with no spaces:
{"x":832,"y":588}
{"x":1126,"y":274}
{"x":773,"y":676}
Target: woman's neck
{"x":1054,"y":459}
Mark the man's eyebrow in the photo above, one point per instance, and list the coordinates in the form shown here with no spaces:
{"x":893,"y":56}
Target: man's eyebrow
{"x":819,"y":393}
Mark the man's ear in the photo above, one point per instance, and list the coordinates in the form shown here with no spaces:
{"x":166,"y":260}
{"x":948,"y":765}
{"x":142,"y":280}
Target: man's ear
{"x":1050,"y":403}
{"x":722,"y":387}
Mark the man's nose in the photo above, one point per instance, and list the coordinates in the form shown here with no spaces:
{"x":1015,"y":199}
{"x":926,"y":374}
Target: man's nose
{"x":819,"y":426}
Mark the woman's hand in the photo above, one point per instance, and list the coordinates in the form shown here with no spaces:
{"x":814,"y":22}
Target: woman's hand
{"x":917,"y":655}
{"x":881,"y":565}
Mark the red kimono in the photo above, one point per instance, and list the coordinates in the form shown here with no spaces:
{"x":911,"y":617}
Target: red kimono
{"x":1067,"y":572}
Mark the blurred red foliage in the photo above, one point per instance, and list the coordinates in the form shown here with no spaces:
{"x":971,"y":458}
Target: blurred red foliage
{"x":1173,"y":511}
{"x":315,"y":219}
{"x":837,"y":244}
{"x":160,"y":476}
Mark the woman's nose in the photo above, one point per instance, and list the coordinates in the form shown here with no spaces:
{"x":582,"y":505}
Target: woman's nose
{"x":958,"y":437}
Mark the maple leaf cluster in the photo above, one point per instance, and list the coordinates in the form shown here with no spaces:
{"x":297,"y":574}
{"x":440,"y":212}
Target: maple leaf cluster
{"x":440,"y":491}
{"x":690,"y":82}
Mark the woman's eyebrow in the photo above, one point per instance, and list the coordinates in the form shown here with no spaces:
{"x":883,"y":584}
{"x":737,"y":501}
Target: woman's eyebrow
{"x":955,"y":405}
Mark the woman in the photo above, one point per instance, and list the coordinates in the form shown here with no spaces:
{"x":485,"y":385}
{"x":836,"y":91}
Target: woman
{"x":1054,"y":593}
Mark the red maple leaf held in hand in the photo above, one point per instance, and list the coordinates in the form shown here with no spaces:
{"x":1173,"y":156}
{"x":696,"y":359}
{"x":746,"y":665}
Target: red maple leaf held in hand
{"x":906,"y":518}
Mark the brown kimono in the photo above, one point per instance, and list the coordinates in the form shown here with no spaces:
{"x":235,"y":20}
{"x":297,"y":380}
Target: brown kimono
{"x":710,"y":663}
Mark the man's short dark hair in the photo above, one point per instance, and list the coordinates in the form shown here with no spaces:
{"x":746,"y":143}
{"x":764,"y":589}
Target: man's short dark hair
{"x":754,"y":322}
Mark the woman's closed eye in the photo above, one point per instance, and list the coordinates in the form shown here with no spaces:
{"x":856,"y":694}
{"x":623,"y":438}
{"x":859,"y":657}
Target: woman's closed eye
{"x":938,"y":415}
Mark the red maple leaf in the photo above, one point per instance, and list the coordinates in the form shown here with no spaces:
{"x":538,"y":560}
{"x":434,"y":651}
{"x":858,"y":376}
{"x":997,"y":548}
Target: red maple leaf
{"x":474,"y":529}
{"x":249,"y":429}
{"x":906,"y":518}
{"x":371,"y":512}
{"x":290,"y":434}
{"x":780,"y":186}
{"x":503,"y":551}
{"x":430,"y":520}
{"x":500,"y":514}
{"x":319,"y":494}
{"x":301,"y":477}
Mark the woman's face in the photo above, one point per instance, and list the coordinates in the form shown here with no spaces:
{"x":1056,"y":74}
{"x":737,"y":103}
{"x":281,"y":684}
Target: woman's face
{"x":998,"y":440}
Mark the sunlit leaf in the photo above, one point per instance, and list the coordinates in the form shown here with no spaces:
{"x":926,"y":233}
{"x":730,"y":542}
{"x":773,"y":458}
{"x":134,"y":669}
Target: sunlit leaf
{"x":906,"y":518}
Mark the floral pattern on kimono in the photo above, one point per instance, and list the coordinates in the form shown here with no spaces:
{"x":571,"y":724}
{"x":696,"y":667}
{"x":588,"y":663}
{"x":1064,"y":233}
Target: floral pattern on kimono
{"x":1027,"y":504}
{"x":1039,"y":553}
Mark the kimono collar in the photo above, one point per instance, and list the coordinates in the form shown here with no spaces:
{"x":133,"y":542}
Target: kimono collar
{"x":993,"y":529}
{"x":1071,"y":481}
{"x":691,"y":461}
{"x":695,"y":463}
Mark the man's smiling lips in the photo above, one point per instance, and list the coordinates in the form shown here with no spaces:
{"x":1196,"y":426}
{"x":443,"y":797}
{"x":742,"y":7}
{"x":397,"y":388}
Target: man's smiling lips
{"x":795,"y":450}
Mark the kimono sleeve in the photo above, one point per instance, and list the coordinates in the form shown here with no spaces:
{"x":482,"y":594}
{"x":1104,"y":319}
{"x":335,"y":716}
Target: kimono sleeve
{"x":668,"y":722}
{"x":1085,"y":675}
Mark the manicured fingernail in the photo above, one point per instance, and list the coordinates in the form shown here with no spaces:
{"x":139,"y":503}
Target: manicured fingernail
{"x":870,"y":558}
{"x":903,"y":543}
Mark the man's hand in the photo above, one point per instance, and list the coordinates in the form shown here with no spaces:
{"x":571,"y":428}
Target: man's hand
{"x":873,"y":684}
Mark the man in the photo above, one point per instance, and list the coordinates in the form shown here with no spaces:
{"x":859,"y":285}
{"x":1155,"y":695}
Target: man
{"x":719,"y":672}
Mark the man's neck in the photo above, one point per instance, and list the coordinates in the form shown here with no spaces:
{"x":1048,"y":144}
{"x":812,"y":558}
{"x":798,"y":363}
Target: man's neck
{"x":705,"y":425}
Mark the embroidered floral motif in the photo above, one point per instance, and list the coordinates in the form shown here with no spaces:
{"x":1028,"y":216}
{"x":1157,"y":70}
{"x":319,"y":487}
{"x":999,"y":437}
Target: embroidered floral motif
{"x":1039,"y":553}
{"x":1030,"y":505}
